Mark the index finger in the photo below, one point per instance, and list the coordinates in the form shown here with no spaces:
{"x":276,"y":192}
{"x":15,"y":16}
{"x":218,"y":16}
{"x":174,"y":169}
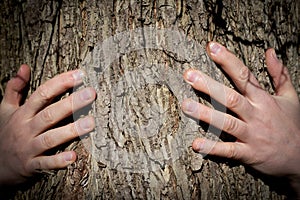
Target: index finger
{"x":243,"y":79}
{"x":50,"y":89}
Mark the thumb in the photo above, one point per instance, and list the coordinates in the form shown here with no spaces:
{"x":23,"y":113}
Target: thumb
{"x":280,"y":75}
{"x":14,"y":88}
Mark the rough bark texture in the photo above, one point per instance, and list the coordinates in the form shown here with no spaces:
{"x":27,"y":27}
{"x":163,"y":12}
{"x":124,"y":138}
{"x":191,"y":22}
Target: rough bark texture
{"x":131,"y":161}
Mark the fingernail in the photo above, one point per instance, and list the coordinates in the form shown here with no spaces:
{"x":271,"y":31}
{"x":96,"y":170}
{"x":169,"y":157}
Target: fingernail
{"x":86,"y":123}
{"x":68,"y":157}
{"x":274,"y":54}
{"x":189,"y":106}
{"x":214,"y":47}
{"x":192,"y":76}
{"x":20,"y":69}
{"x":198,"y":145}
{"x":86,"y":94}
{"x":78,"y":75}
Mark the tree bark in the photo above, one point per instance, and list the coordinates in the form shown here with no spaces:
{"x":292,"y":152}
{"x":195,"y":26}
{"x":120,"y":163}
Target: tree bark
{"x":141,"y":148}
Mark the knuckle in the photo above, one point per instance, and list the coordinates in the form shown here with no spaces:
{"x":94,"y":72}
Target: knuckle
{"x":68,"y":104}
{"x":66,"y":80}
{"x":233,"y":99}
{"x":38,"y":165}
{"x":74,"y":130}
{"x":205,"y":113}
{"x":244,"y":74}
{"x":230,"y":124}
{"x":35,"y":165}
{"x":42,"y":91}
{"x":47,"y":141}
{"x":47,"y":116}
{"x":231,"y":152}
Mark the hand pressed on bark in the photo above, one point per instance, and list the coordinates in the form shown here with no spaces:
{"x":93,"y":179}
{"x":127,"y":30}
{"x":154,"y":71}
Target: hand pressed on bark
{"x":26,"y":130}
{"x":267,"y":127}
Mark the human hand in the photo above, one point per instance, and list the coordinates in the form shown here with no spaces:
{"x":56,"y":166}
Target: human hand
{"x":266,"y":128}
{"x":25,"y":130}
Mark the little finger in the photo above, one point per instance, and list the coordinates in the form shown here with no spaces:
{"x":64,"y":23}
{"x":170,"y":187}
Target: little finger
{"x":58,"y":161}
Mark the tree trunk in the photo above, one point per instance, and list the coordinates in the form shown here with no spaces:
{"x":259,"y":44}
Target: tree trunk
{"x":134,"y":53}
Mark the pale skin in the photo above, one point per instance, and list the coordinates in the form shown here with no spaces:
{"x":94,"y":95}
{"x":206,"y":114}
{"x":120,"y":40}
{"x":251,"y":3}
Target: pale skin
{"x":267,"y":126}
{"x":26,"y":131}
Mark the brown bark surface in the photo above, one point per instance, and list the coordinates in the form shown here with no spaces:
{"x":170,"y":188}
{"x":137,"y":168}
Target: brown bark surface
{"x":141,"y":148}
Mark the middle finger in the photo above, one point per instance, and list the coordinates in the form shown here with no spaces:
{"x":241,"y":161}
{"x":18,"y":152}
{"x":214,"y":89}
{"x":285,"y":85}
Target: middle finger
{"x":224,"y":95}
{"x":62,"y":109}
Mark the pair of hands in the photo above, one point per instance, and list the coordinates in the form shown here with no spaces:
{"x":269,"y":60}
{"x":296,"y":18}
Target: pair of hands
{"x":266,"y":127}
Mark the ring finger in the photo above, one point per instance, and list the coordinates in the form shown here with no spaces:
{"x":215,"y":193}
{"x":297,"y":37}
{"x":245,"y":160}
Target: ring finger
{"x":220,"y":120}
{"x":58,"y":136}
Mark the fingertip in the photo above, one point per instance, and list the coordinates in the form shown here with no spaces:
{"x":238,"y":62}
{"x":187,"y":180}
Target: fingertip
{"x":185,"y":73}
{"x":78,"y":75}
{"x":24,"y":73}
{"x":184,"y":104}
{"x":94,"y":93}
{"x":84,"y":96}
{"x":15,"y":86}
{"x":57,"y":161}
{"x":198,"y":145}
{"x":274,"y":55}
{"x":280,"y":75}
{"x":189,"y":106}
{"x":70,"y":157}
{"x":271,"y":53}
{"x":220,"y":54}
{"x":18,"y":82}
{"x":25,"y":67}
{"x":85,"y":125}
{"x":190,"y":76}
{"x":272,"y":61}
{"x":214,"y":48}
